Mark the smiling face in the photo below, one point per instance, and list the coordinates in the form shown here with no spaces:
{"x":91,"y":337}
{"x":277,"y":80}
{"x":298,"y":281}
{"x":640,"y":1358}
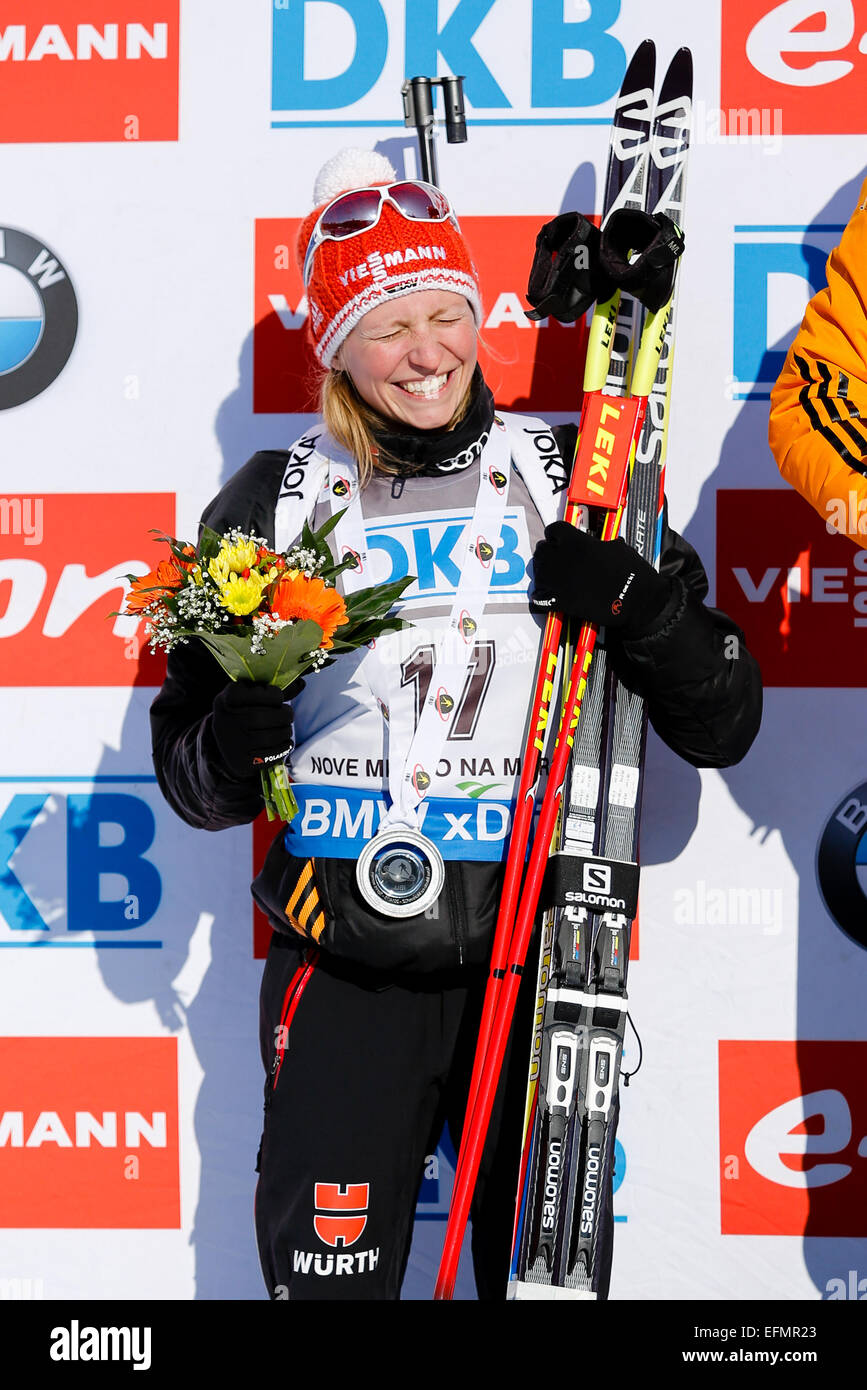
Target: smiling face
{"x":413,"y":360}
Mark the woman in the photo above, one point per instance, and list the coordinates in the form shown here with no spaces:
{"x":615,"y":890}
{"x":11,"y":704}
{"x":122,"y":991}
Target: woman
{"x":372,"y":989}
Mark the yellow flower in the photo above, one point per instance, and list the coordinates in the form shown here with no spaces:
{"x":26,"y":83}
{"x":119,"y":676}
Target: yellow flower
{"x":241,"y":595}
{"x":232,"y":559}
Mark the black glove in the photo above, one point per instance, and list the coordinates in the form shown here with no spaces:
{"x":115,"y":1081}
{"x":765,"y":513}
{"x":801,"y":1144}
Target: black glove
{"x":252,"y":726}
{"x":566,"y":276}
{"x":640,"y":251}
{"x":602,"y":582}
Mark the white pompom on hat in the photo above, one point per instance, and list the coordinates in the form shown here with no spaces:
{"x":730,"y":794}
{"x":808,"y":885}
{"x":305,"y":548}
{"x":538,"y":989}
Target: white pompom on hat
{"x":351,"y":169}
{"x":397,"y":256}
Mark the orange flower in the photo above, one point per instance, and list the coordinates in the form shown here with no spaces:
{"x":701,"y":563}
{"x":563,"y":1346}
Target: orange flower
{"x":296,"y":596}
{"x":166,"y":579}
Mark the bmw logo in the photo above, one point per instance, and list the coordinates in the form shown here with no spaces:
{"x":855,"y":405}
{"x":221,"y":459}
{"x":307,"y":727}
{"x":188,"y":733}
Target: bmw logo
{"x":38,"y":317}
{"x":841,"y":864}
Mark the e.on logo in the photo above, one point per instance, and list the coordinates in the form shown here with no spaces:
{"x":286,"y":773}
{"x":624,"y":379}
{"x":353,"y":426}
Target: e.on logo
{"x":95,"y":71}
{"x":89,"y":1132}
{"x":795,"y":587}
{"x":793,"y":1138}
{"x":800,"y":59}
{"x":530,"y":366}
{"x":63,"y":557}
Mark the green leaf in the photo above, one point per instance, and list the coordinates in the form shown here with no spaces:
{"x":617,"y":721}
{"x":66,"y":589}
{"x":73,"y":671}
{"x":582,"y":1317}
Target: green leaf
{"x":382,"y":595}
{"x":363,"y":633}
{"x":209,"y":543}
{"x":164,"y":536}
{"x":328,"y":526}
{"x":175,"y":546}
{"x":335,"y":570}
{"x":375,"y":601}
{"x":315,"y":540}
{"x":285,"y":658}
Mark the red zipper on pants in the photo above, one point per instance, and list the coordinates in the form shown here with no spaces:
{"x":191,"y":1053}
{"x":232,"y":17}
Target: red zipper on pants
{"x":291,"y":1000}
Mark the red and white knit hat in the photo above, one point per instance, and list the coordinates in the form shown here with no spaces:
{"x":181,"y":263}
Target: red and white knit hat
{"x":397,"y":256}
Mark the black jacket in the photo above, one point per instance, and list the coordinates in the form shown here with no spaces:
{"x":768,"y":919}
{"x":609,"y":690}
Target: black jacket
{"x":702,"y":688}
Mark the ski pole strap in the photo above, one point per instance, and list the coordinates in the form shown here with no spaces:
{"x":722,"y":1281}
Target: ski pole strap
{"x":600,"y":885}
{"x":566,"y":276}
{"x":640,"y":251}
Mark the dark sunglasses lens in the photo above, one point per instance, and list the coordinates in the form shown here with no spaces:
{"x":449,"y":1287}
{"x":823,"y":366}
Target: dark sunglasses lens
{"x":419,"y":203}
{"x":351,"y":214}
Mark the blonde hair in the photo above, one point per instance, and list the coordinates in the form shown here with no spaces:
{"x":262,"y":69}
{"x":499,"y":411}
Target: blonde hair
{"x":353,"y":423}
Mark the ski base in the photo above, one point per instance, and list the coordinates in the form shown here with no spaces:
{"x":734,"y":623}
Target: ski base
{"x":519,"y":1291}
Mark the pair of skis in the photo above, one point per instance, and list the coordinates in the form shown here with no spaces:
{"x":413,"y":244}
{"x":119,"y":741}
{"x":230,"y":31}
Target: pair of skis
{"x":590,"y":811}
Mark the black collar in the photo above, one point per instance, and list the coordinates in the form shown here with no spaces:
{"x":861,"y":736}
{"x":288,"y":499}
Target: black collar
{"x":407,"y":452}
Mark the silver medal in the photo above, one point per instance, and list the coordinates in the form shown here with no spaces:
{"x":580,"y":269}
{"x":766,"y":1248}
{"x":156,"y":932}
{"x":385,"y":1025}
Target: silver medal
{"x":400,"y":872}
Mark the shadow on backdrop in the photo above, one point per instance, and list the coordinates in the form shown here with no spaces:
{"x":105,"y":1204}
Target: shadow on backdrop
{"x":802,"y":744}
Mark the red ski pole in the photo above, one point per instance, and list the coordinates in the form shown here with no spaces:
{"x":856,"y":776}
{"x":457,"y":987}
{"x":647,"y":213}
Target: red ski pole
{"x":601,"y":478}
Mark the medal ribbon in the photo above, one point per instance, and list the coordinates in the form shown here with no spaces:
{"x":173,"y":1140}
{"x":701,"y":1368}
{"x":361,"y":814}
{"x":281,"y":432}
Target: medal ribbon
{"x":413,"y":755}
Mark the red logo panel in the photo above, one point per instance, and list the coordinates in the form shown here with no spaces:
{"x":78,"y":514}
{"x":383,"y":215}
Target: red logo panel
{"x":802,"y":60}
{"x":62,"y":561}
{"x":95,"y":71}
{"x":528,"y":367}
{"x":798,"y":591}
{"x":607,"y":430}
{"x":89,"y":1133}
{"x":264,"y":832}
{"x":351,"y":1200}
{"x":793,"y":1156}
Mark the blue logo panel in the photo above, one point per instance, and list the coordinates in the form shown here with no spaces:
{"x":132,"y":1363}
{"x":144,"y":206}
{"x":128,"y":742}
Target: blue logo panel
{"x":339,"y":821}
{"x":90,"y":861}
{"x":432,"y":549}
{"x":291,"y":90}
{"x":469,"y":41}
{"x":798,"y":251}
{"x":76,"y":864}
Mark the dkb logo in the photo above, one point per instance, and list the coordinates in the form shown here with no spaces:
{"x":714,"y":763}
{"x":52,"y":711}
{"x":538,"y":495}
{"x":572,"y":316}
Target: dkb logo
{"x":777,"y":270}
{"x":87,"y":851}
{"x":342,"y":56}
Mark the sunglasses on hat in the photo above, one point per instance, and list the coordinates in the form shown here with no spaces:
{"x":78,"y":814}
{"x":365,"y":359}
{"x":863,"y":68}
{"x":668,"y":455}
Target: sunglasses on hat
{"x":357,"y":211}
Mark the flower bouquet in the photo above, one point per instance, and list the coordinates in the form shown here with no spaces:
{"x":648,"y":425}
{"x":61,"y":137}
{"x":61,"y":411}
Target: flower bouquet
{"x":264,"y":616}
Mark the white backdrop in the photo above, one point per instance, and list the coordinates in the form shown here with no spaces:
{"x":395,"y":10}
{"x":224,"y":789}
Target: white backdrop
{"x":118,"y":922}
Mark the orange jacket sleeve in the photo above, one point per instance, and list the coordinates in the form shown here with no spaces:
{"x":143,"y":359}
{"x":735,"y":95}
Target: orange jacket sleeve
{"x":818,"y":423}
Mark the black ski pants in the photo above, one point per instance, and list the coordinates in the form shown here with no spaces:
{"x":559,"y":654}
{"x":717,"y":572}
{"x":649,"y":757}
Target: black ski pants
{"x":362,"y":1072}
